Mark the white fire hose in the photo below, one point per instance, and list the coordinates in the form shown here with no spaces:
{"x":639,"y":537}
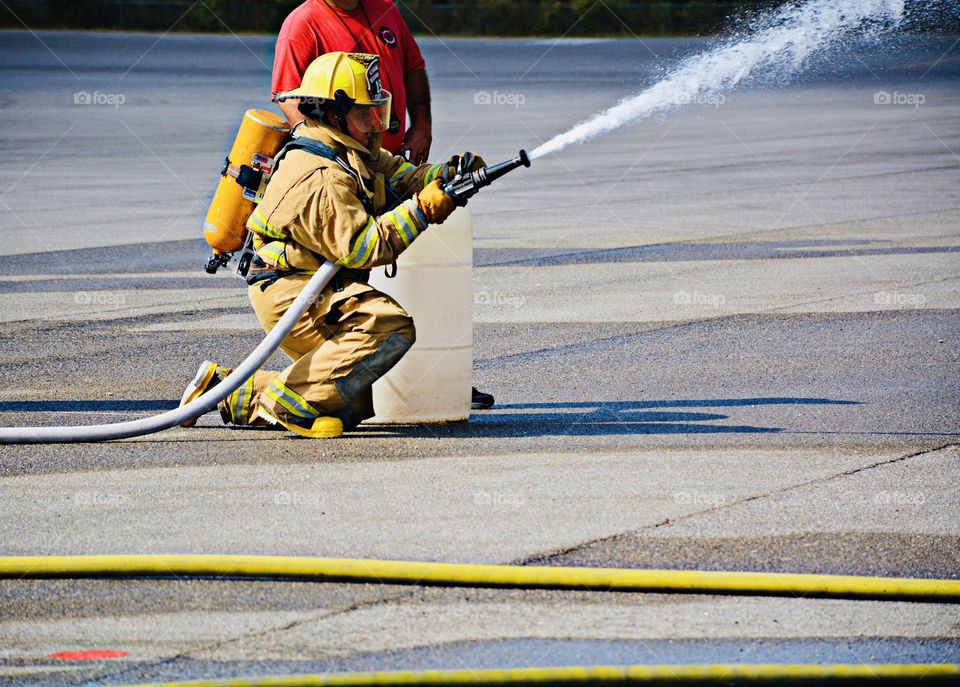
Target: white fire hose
{"x":197,"y":407}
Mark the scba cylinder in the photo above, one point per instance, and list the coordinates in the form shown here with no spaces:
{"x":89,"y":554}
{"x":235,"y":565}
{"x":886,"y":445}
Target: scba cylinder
{"x":434,"y":283}
{"x":260,"y":137}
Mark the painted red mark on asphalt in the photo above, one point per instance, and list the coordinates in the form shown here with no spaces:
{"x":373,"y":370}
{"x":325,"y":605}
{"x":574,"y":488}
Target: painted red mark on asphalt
{"x":92,"y":655}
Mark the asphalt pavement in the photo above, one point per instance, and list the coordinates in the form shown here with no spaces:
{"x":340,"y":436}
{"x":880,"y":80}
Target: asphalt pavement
{"x":722,"y":338}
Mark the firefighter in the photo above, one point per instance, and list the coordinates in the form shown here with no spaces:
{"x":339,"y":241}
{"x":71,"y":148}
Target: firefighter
{"x":334,"y":195}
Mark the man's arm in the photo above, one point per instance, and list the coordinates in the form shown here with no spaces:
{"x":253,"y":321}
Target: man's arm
{"x":419,"y":136}
{"x":290,"y":61}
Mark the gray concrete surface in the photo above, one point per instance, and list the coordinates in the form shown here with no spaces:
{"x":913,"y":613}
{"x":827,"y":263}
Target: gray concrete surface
{"x":722,"y":339}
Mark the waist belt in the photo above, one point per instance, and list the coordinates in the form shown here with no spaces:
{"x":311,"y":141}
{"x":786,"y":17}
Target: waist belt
{"x":267,"y":278}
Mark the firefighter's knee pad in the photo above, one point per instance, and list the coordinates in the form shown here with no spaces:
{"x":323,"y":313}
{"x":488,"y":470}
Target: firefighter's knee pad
{"x":374,"y":366}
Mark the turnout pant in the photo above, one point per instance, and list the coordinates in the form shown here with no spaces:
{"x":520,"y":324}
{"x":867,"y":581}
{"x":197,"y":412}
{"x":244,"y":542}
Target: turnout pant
{"x":339,"y":347}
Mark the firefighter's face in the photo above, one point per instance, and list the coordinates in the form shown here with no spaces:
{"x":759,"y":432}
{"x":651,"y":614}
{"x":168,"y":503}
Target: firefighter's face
{"x":358,"y":126}
{"x":364,"y":121}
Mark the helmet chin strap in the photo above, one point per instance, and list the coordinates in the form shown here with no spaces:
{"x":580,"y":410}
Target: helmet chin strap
{"x":342,"y":122}
{"x":344,"y":103}
{"x":337,"y":119}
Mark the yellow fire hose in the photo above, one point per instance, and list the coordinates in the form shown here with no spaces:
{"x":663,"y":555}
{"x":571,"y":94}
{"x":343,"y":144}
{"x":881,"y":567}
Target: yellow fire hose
{"x":745,"y":674}
{"x":469,"y":575}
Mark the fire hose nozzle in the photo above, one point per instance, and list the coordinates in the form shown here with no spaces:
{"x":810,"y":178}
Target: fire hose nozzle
{"x":465,"y":184}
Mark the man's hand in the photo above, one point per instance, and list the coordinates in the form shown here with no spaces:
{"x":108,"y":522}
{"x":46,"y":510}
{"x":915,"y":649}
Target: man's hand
{"x":417,"y":142}
{"x":290,"y":111}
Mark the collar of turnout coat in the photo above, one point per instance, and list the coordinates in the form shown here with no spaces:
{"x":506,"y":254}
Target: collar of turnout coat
{"x":340,"y":141}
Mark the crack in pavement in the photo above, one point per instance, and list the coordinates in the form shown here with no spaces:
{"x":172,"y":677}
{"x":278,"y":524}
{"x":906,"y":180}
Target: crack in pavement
{"x":221,"y":643}
{"x":543,"y":558}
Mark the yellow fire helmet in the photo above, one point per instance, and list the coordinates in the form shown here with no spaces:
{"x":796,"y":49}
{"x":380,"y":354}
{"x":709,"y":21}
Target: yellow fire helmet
{"x":341,"y":81}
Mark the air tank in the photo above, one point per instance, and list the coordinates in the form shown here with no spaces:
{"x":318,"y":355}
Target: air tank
{"x":261,"y":135}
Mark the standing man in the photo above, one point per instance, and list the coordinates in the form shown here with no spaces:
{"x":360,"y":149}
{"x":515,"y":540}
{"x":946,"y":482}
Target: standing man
{"x":360,"y":26}
{"x":363,"y":26}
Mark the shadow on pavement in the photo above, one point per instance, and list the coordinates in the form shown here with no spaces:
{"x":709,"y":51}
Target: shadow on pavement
{"x":604,"y":418}
{"x":686,"y":252}
{"x":97,"y":406}
{"x":668,"y":416}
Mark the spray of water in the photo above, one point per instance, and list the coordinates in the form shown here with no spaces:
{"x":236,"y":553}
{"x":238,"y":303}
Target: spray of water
{"x":779,"y":42}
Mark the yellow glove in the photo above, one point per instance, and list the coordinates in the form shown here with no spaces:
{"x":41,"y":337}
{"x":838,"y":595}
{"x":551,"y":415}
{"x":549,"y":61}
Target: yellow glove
{"x":435,"y":205}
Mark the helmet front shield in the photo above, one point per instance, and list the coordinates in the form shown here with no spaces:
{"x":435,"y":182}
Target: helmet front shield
{"x":374,"y":117}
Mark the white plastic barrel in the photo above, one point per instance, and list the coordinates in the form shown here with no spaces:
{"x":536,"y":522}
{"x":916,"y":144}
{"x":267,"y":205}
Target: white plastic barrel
{"x":434,"y":283}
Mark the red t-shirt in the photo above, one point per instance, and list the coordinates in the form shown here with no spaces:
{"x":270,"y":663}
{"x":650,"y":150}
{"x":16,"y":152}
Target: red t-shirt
{"x":315,"y":28}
